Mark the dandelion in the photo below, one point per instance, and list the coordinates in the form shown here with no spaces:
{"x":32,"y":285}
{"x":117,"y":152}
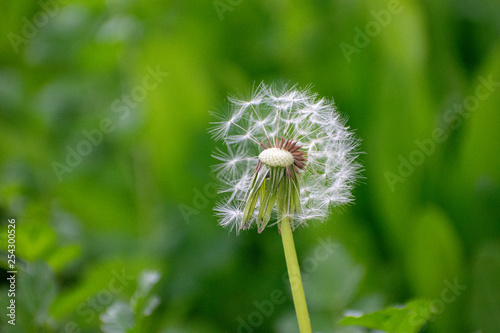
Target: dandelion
{"x":282,"y":144}
{"x":288,"y":158}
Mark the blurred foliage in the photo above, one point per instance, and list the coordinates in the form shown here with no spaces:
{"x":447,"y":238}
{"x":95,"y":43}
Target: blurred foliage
{"x":105,"y":162}
{"x":408,"y":319}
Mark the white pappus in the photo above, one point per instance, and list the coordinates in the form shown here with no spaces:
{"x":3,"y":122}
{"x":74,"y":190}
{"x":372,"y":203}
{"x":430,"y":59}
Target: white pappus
{"x":285,"y":153}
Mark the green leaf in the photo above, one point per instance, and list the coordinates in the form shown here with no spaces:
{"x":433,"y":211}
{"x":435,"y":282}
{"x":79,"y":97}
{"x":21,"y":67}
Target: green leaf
{"x":398,"y":320}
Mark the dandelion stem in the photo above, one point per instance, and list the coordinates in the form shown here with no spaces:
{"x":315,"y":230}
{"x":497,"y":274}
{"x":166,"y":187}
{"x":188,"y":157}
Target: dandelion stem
{"x":299,"y":298}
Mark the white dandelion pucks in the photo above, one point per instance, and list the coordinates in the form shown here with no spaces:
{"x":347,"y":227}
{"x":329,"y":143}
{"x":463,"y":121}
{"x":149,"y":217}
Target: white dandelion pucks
{"x":325,"y":166}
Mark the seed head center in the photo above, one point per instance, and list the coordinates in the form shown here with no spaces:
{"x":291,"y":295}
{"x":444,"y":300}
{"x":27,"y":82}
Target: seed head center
{"x":276,"y":157}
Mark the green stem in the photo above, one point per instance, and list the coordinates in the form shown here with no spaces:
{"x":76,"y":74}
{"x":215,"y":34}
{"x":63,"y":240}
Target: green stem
{"x":299,"y":299}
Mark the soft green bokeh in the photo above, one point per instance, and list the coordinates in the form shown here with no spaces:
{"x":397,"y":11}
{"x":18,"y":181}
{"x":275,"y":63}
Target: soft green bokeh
{"x":105,"y":162}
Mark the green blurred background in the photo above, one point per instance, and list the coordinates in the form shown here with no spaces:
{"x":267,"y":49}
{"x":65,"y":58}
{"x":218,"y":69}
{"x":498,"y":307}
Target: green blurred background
{"x":105,"y":162}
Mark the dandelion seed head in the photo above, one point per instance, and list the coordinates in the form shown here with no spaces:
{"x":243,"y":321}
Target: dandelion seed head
{"x":291,"y":130}
{"x":275,"y":157}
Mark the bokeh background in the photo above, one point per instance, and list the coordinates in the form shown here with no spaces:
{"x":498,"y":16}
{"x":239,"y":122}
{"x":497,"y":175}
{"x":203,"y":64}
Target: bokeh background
{"x":105,"y":162}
